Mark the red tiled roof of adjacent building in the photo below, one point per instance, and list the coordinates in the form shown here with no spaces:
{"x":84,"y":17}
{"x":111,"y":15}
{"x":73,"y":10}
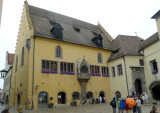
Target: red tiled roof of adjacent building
{"x":10,"y":58}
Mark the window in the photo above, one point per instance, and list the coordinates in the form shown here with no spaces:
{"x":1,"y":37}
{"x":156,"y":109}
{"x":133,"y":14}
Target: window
{"x":58,"y":52}
{"x":67,"y":68}
{"x":49,"y":66}
{"x":154,"y":67}
{"x":22,"y":57}
{"x":95,"y":70}
{"x":16,"y":63}
{"x":84,"y":69}
{"x":105,"y":71}
{"x":119,"y":69}
{"x":89,"y":95}
{"x":75,"y":96}
{"x":141,"y":62}
{"x":113,"y":72}
{"x":99,"y":58}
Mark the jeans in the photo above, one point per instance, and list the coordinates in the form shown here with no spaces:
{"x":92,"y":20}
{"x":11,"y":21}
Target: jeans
{"x":138,"y":110}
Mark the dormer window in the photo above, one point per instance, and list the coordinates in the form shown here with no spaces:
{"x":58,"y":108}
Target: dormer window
{"x":98,"y":41}
{"x":95,"y":33}
{"x":57,"y":30}
{"x":76,"y":29}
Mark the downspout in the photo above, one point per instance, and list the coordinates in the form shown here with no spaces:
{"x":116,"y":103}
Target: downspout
{"x":10,"y":83}
{"x":126,"y":74}
{"x":33,"y":72}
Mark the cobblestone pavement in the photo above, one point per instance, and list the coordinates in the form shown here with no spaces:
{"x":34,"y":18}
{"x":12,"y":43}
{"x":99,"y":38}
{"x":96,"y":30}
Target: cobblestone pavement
{"x":97,"y":108}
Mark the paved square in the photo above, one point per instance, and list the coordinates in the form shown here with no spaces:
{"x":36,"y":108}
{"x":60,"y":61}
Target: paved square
{"x":96,"y":108}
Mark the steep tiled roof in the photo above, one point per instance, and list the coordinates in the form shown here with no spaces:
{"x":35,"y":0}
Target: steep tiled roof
{"x":152,"y":39}
{"x":125,"y":45}
{"x":157,"y":15}
{"x":41,"y":21}
{"x":10,"y":58}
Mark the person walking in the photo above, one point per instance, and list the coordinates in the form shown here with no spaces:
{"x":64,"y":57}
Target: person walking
{"x":154,"y":109}
{"x":119,"y":100}
{"x":138,"y":105}
{"x":122,"y":105}
{"x":100,"y":99}
{"x":113,"y":104}
{"x":146,"y":99}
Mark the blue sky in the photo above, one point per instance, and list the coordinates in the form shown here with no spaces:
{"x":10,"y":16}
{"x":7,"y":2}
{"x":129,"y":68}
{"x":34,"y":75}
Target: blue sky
{"x":116,"y":16}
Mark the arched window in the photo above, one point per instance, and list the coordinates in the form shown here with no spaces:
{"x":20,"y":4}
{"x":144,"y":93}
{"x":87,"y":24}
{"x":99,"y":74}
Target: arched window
{"x":22,"y":57}
{"x":75,"y":96}
{"x":58,"y":52}
{"x":16,"y":63}
{"x":89,"y":95}
{"x":42,"y":99}
{"x":100,"y":58}
{"x":84,"y":69}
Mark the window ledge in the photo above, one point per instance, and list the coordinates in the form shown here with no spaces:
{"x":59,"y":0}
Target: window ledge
{"x":154,"y":71}
{"x":69,"y":73}
{"x":95,"y":74}
{"x":46,"y":71}
{"x":104,"y":75}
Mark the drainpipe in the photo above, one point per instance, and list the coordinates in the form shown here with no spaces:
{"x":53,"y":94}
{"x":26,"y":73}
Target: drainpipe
{"x":33,"y":72}
{"x":126,"y":74}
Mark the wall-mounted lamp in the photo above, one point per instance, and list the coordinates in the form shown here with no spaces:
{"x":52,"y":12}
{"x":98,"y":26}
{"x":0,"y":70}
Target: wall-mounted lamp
{"x":3,"y":73}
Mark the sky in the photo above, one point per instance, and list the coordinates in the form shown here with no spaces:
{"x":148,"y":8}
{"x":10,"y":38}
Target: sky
{"x":123,"y":17}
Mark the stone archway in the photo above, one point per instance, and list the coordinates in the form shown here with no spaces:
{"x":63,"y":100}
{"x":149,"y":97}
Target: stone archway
{"x":138,"y":80}
{"x":155,"y":89}
{"x":42,"y":99}
{"x":102,"y":94}
{"x":18,"y":100}
{"x":61,"y":98}
{"x":138,"y":86}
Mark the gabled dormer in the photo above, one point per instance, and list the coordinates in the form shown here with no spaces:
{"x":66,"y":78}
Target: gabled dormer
{"x":98,"y":40}
{"x":57,"y":30}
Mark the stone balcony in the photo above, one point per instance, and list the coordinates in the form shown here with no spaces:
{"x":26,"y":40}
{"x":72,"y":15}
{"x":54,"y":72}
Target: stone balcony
{"x":83,"y":76}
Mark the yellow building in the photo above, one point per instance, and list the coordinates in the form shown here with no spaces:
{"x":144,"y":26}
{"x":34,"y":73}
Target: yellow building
{"x":61,"y":58}
{"x":126,"y":69}
{"x":68,"y":60}
{"x":151,"y":50}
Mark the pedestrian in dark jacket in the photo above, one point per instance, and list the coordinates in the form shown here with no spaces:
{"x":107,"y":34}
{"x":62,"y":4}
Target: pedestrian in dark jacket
{"x":113,"y":104}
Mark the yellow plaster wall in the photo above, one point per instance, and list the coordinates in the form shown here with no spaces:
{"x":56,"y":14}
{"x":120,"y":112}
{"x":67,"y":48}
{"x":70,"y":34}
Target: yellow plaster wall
{"x":119,"y":83}
{"x":150,"y":53}
{"x":55,"y":83}
{"x":21,"y":75}
{"x":131,"y":61}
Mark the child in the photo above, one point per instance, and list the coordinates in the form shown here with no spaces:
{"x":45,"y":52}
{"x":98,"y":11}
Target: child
{"x":19,"y":109}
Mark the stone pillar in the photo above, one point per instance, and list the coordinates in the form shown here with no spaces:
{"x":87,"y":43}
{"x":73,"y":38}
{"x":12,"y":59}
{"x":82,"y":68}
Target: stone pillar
{"x":83,"y":90}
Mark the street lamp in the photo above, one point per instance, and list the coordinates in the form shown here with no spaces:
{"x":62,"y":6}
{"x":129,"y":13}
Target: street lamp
{"x":3,"y":73}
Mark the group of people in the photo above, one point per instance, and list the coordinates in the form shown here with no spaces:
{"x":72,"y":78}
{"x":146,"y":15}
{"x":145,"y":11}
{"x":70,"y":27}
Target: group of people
{"x":123,"y":106}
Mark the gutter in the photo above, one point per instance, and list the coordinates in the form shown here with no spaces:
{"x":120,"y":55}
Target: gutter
{"x":126,"y":75}
{"x":33,"y":72}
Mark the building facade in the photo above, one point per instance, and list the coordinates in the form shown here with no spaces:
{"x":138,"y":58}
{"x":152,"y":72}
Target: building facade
{"x":69,"y":60}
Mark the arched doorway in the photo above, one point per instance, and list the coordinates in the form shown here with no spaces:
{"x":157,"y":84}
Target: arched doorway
{"x":102,"y":94}
{"x":18,"y":100}
{"x":89,"y":95}
{"x":118,"y":95}
{"x":138,"y":87}
{"x":156,"y":92}
{"x":61,"y":98}
{"x":42,"y":99}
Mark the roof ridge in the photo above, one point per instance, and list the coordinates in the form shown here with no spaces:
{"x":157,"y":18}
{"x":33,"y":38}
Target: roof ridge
{"x":64,"y":16}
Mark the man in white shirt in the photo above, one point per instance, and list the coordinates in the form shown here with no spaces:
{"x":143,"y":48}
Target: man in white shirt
{"x":138,"y":105}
